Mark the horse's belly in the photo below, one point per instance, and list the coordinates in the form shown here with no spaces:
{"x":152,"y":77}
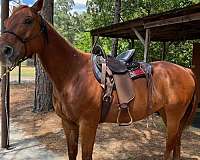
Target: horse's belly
{"x":139,"y":108}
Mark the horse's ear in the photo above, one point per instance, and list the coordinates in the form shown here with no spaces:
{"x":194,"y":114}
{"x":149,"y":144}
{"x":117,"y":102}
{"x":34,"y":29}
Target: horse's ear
{"x":37,"y":6}
{"x":14,"y":8}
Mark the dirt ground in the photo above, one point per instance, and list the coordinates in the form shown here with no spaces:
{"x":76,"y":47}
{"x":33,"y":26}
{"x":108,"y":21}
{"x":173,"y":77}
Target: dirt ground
{"x":136,"y":142}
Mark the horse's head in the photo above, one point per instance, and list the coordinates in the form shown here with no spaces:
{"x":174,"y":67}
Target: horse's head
{"x":23,"y":35}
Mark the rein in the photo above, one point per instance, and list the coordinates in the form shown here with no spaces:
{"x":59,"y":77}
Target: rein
{"x":24,"y":41}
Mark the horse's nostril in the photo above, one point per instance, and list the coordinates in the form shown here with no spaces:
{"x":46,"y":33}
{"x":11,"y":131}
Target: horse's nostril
{"x":8,"y":50}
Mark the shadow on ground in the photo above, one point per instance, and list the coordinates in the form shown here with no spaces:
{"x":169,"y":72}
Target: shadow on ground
{"x":196,"y":121}
{"x":130,"y":143}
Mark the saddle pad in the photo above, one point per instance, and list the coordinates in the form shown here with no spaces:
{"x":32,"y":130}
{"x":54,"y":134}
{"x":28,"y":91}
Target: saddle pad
{"x":134,"y":74}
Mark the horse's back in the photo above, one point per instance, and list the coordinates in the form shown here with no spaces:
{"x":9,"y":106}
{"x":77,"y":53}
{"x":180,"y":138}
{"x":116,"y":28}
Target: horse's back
{"x":174,"y":82}
{"x":173,"y":75}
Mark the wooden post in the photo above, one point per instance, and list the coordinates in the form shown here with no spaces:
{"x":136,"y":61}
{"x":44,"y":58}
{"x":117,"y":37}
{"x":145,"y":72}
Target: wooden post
{"x":146,"y":44}
{"x":196,"y":66}
{"x":131,"y":44}
{"x":19,"y":74}
{"x":92,"y":45}
{"x":94,"y":42}
{"x":4,"y":86}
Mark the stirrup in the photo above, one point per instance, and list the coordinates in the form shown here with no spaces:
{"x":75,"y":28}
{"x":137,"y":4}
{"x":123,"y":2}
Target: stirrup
{"x":130,"y":117}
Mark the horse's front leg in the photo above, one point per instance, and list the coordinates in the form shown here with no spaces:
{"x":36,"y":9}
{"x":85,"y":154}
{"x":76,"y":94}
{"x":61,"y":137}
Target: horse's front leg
{"x":87,"y":136}
{"x":72,"y":133}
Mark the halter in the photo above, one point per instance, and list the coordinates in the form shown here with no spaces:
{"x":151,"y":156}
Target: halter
{"x":25,"y":40}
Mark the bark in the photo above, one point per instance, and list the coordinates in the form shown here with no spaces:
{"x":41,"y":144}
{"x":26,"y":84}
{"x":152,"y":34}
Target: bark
{"x":116,"y":20}
{"x":43,"y":86}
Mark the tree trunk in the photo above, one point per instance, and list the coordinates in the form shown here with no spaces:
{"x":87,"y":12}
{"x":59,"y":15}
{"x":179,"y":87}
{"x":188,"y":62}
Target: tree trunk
{"x":43,"y":86}
{"x":116,"y":20}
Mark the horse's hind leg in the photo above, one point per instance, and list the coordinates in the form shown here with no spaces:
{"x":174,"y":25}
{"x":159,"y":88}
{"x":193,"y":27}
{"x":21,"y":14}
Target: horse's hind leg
{"x":173,"y":123}
{"x":87,"y":137}
{"x":177,"y":147}
{"x":72,"y":132}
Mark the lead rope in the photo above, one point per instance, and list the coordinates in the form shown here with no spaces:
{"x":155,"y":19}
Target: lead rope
{"x":2,"y":76}
{"x":10,"y":69}
{"x":7,"y":113}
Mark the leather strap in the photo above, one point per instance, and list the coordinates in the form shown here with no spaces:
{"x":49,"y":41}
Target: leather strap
{"x":106,"y":99}
{"x":148,"y":73}
{"x":149,"y":98}
{"x":103,"y":75}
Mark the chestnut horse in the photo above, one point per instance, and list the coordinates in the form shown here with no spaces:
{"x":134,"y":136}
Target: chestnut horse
{"x":77,"y":94}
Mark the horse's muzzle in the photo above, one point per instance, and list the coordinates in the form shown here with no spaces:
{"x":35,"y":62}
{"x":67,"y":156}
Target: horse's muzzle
{"x":7,"y":51}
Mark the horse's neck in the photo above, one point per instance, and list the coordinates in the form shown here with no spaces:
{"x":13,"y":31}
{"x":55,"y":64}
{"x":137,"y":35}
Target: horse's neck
{"x":60,"y":60}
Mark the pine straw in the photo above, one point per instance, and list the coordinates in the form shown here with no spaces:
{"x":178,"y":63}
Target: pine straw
{"x":136,"y":142}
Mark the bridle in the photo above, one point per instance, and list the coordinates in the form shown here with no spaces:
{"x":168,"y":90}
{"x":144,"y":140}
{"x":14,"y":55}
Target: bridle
{"x":25,"y":40}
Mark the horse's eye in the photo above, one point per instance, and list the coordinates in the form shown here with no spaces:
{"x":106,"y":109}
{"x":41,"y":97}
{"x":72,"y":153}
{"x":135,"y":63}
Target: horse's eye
{"x":28,"y":21}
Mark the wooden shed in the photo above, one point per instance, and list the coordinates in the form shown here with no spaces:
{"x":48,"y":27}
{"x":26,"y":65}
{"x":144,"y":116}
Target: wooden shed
{"x":175,"y":25}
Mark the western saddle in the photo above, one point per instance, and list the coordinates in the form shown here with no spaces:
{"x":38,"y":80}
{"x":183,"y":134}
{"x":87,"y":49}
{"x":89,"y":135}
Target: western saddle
{"x":117,"y":73}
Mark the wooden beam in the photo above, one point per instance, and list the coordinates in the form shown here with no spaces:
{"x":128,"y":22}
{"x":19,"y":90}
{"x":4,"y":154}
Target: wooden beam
{"x":146,"y":45}
{"x":162,"y":35}
{"x":117,"y":27}
{"x":119,"y":33}
{"x":174,"y":20}
{"x":139,"y":36}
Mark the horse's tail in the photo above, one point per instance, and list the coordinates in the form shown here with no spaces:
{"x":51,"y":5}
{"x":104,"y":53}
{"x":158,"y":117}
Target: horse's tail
{"x":191,"y":110}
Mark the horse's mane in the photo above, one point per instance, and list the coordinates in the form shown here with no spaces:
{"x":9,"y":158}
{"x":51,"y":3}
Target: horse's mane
{"x":66,"y":40}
